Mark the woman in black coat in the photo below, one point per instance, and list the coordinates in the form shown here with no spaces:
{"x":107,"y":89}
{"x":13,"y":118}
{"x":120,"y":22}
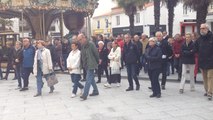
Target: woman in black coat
{"x":103,"y":61}
{"x":153,"y":57}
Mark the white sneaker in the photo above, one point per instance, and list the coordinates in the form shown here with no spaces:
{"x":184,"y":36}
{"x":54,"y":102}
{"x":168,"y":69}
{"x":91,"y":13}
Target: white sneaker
{"x":107,"y":85}
{"x":73,"y":95}
{"x":118,"y":85}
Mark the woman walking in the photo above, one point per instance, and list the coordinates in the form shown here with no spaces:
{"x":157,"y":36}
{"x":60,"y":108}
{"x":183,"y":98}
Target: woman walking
{"x":42,"y":66}
{"x":73,"y":65}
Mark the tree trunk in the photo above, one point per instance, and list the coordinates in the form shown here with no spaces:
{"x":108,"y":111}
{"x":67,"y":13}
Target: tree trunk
{"x":131,"y":24}
{"x":201,"y":15}
{"x":170,"y":17}
{"x":157,"y":14}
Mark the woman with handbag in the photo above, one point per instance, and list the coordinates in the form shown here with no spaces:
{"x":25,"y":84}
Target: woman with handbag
{"x":115,"y":65}
{"x":73,"y":65}
{"x":42,"y":66}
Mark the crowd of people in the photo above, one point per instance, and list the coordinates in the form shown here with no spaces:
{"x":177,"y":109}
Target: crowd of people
{"x":100,"y":55}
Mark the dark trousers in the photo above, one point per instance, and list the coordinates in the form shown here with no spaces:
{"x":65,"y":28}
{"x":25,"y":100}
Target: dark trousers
{"x":131,"y":72}
{"x":178,"y":66}
{"x":1,"y":76}
{"x":154,"y":78}
{"x":59,"y":62}
{"x":114,"y":78}
{"x":25,"y":75}
{"x":18,"y":74}
{"x":100,"y":71}
{"x":75,"y":79}
{"x":164,"y":71}
{"x":84,"y":73}
{"x":9,"y":67}
{"x":65,"y":60}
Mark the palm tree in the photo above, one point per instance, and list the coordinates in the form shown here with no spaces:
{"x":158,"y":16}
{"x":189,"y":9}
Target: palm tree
{"x":171,"y":4}
{"x":130,"y":7}
{"x":157,"y":14}
{"x":201,"y":6}
{"x":5,"y":23}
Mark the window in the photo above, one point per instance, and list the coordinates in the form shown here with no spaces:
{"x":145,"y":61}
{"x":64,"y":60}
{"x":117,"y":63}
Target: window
{"x":211,"y":6}
{"x":98,"y":24}
{"x":117,"y":20}
{"x":107,"y":23}
{"x":137,"y":18}
{"x":185,"y":10}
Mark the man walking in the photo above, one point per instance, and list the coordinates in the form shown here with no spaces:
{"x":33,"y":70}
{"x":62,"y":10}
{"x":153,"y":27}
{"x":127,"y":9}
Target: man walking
{"x":89,"y":61}
{"x":204,"y":47}
{"x":28,"y":60}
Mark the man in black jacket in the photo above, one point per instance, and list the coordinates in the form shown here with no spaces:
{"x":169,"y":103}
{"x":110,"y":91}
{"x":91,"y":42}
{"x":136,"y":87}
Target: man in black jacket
{"x":163,"y":44}
{"x":204,"y":47}
{"x":131,"y":58}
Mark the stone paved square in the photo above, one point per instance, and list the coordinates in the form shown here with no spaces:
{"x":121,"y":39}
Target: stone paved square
{"x":112,"y":104}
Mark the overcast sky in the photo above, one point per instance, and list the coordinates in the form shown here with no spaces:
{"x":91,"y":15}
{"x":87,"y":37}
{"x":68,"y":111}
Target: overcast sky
{"x":104,"y":7}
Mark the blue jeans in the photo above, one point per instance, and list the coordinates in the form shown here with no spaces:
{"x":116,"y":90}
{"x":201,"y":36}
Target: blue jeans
{"x":90,"y":80}
{"x":131,"y":72}
{"x":39,"y":80}
{"x":75,"y":79}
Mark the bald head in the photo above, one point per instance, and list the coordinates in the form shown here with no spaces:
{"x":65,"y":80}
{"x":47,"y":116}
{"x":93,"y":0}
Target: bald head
{"x":26,"y":42}
{"x":82,"y":38}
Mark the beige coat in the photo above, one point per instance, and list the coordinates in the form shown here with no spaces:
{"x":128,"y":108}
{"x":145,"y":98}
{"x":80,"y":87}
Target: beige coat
{"x":47,"y":62}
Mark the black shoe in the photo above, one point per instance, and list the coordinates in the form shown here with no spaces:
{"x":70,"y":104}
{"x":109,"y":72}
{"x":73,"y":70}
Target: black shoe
{"x":129,"y":89}
{"x":52,"y":89}
{"x":163,"y":87}
{"x":137,"y":87}
{"x":151,"y":96}
{"x":36,"y":95}
{"x":14,"y":79}
{"x":158,"y":95}
{"x":82,"y":80}
{"x":209,"y":97}
{"x":181,"y":91}
{"x":205,"y":94}
{"x":24,"y":89}
{"x":98,"y":81}
{"x":150,"y":88}
{"x":83,"y":97}
{"x":94,"y":94}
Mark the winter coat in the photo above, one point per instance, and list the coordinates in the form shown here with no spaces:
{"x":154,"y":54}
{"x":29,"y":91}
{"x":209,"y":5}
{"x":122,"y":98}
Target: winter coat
{"x":187,"y":53}
{"x":204,"y":48}
{"x":47,"y":66}
{"x":73,"y":61}
{"x":153,"y":56}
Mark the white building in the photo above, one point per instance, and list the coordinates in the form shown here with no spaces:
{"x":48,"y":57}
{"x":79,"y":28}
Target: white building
{"x":184,"y":20}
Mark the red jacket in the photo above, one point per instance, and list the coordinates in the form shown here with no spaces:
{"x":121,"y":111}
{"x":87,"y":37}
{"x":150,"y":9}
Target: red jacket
{"x":121,"y":44}
{"x":177,"y":46}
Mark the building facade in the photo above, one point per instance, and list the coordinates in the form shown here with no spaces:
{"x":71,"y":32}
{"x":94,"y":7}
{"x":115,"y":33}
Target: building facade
{"x":184,"y":20}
